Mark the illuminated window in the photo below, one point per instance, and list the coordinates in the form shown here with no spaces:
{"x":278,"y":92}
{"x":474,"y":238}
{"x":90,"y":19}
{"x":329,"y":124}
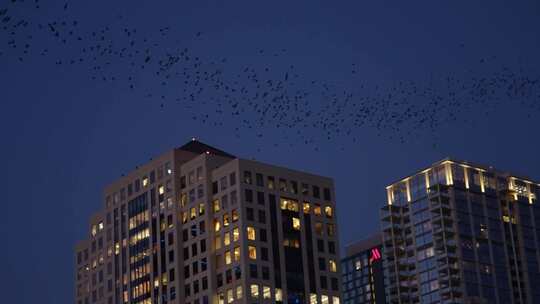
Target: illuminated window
{"x":184,"y":217}
{"x":267,"y":294}
{"x":318,"y":228}
{"x":183,"y":199}
{"x":94,"y":230}
{"x":324,"y":299}
{"x":161,"y":189}
{"x":251,"y":233}
{"x":236,"y":254}
{"x":279,"y":295}
{"x":217,"y":225}
{"x":235,"y":215}
{"x":217,"y":242}
{"x":252,"y":252}
{"x":145,"y":181}
{"x":358,"y":265}
{"x":330,"y":229}
{"x":328,"y":211}
{"x":216,"y":205}
{"x":201,"y":209}
{"x":317,"y":210}
{"x":228,"y":258}
{"x":230,"y":297}
{"x":335,"y":300}
{"x":226,"y":220}
{"x":296,"y":223}
{"x":271,"y":182}
{"x":287,"y":204}
{"x":254,"y":290}
{"x":307,"y":207}
{"x":332,"y":265}
{"x":236,"y":234}
{"x":227,"y":239}
{"x":239,"y":292}
{"x":313,"y":298}
{"x":291,"y":243}
{"x":193,"y":213}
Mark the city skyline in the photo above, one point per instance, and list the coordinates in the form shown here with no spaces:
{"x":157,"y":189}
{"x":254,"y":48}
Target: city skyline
{"x":362,"y":92}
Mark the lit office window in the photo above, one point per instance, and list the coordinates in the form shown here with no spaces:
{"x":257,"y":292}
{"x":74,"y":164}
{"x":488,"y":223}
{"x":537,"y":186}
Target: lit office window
{"x":332,"y":265}
{"x":252,"y":252}
{"x":251,"y":233}
{"x":236,"y":234}
{"x":307,"y":207}
{"x":296,"y":223}
{"x":267,"y":294}
{"x":328,"y":211}
{"x":254,"y":290}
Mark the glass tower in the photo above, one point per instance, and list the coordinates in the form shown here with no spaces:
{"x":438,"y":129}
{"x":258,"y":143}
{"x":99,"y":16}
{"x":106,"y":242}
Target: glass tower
{"x":462,"y":233}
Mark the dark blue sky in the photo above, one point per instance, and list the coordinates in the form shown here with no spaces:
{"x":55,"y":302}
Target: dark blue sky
{"x":65,"y":136}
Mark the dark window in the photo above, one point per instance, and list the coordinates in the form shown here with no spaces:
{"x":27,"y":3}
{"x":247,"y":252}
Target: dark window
{"x":215,"y":187}
{"x":204,"y":283}
{"x":185,"y":235}
{"x":186,"y":253}
{"x":183,"y":182}
{"x":334,"y":283}
{"x":194,"y":249}
{"x":322,"y":264}
{"x":219,"y":280}
{"x":228,"y":276}
{"x":232,"y":179}
{"x":262,"y":216}
{"x":195,"y":267}
{"x":171,"y":238}
{"x":249,"y":196}
{"x":324,"y":282}
{"x":260,"y":198}
{"x":331,"y":247}
{"x":253,"y":271}
{"x":320,"y":245}
{"x":171,"y":256}
{"x":203,"y":245}
{"x":259,"y":180}
{"x":262,"y":235}
{"x":305,"y":189}
{"x":294,"y":187}
{"x":186,"y":271}
{"x":265,"y":273}
{"x":204,"y":264}
{"x":264,"y":253}
{"x":316,"y":192}
{"x":327,"y":194}
{"x":247,"y":177}
{"x":202,"y":227}
{"x":171,"y":275}
{"x":250,"y":214}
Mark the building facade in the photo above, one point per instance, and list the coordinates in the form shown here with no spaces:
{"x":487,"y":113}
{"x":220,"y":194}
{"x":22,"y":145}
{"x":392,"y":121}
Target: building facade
{"x":198,"y":225}
{"x":363,"y":275}
{"x":462,"y":233}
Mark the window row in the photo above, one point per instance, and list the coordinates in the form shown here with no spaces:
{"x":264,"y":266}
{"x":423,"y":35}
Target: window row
{"x":286,"y":186}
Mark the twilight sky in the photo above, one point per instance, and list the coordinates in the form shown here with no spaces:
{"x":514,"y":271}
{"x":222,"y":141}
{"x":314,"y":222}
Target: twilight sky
{"x":65,"y":135}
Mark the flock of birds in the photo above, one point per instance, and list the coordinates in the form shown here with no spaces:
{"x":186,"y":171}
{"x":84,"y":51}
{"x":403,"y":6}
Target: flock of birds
{"x":258,"y":98}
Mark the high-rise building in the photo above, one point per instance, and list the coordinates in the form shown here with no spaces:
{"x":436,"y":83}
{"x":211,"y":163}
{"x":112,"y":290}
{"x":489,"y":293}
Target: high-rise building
{"x":363,"y":275}
{"x":198,"y":225}
{"x":457,"y":232}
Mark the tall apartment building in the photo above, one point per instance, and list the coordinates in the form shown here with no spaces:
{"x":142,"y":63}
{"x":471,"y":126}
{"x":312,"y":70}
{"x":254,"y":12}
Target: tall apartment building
{"x":363,"y":275}
{"x":457,"y":232}
{"x":198,"y":225}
